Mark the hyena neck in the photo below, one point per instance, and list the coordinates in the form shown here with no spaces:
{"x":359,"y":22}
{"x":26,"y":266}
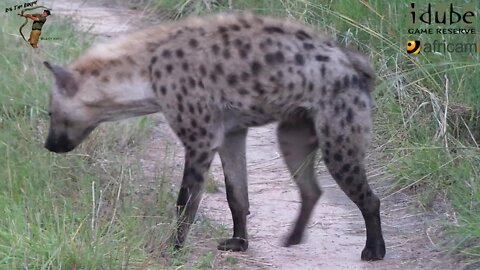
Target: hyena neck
{"x":115,"y":83}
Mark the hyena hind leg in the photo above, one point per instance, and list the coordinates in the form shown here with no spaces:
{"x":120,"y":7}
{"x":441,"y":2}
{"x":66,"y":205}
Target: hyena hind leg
{"x":344,"y":139}
{"x":298,"y":144}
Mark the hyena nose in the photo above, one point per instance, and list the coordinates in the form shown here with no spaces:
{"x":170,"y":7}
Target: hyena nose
{"x":60,"y":144}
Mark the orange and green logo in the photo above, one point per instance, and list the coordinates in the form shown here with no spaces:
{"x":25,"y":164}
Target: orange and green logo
{"x":413,"y":46}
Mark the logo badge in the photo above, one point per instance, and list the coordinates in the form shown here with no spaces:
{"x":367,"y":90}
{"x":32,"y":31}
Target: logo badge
{"x":413,"y":46}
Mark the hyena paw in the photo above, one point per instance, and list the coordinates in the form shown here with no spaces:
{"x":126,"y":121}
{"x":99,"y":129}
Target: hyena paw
{"x":293,"y":239}
{"x":373,"y":253}
{"x":233,"y":244}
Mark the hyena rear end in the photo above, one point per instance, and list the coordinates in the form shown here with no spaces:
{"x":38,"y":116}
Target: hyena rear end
{"x":215,"y":77}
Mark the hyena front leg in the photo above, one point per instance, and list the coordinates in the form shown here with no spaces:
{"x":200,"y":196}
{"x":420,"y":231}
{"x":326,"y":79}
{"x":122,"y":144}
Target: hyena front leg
{"x":298,"y":144}
{"x":344,"y":136}
{"x":197,"y":162}
{"x":232,"y":154}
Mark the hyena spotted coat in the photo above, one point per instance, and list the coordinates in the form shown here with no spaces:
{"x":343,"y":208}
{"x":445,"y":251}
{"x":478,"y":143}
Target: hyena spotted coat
{"x":215,"y":77}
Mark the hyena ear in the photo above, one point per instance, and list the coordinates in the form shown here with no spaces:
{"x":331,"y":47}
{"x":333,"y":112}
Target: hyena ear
{"x":64,"y":79}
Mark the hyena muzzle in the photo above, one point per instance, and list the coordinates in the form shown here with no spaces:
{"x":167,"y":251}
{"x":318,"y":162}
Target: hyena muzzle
{"x":215,"y":77}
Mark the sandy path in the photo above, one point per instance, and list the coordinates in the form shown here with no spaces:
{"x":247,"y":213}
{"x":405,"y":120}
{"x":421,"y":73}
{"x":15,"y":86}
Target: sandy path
{"x":336,"y":234}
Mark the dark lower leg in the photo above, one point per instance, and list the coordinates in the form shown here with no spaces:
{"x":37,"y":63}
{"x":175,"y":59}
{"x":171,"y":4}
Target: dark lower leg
{"x":239,"y":241}
{"x":187,"y":205}
{"x":296,"y":235}
{"x":375,"y":245}
{"x":298,"y":143}
{"x":190,"y":194}
{"x":352,"y":179}
{"x":232,"y":155}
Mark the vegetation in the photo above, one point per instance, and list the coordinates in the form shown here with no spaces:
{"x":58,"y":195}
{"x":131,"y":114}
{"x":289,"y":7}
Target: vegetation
{"x":74,"y":211}
{"x":78,"y":211}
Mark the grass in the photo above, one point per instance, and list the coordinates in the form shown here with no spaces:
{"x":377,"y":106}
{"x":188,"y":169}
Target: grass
{"x":74,"y":211}
{"x":427,"y":106}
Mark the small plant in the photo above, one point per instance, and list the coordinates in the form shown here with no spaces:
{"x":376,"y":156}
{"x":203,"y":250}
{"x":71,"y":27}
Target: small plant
{"x":211,"y":186}
{"x":206,"y":261}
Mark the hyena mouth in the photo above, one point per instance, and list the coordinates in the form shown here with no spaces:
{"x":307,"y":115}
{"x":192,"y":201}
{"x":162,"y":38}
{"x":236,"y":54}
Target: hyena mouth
{"x":60,"y":144}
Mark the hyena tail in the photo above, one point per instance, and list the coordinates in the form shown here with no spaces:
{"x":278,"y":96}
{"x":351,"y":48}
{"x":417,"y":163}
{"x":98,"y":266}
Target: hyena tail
{"x":363,"y":66}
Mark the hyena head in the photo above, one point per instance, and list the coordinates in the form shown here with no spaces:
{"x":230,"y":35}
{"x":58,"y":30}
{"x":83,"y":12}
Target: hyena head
{"x":70,"y":119}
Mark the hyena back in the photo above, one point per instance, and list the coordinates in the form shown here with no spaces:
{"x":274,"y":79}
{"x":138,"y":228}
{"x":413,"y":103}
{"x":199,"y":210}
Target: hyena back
{"x":215,"y":77}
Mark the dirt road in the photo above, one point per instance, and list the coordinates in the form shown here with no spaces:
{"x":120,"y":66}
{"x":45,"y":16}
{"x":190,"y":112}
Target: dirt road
{"x":336,"y":234}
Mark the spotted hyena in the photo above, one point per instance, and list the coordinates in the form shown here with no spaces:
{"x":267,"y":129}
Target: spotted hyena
{"x":215,"y":77}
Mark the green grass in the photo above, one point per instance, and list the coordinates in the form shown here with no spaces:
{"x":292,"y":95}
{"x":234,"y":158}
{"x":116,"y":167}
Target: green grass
{"x":206,"y":261}
{"x":427,"y":115}
{"x":73,"y":211}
